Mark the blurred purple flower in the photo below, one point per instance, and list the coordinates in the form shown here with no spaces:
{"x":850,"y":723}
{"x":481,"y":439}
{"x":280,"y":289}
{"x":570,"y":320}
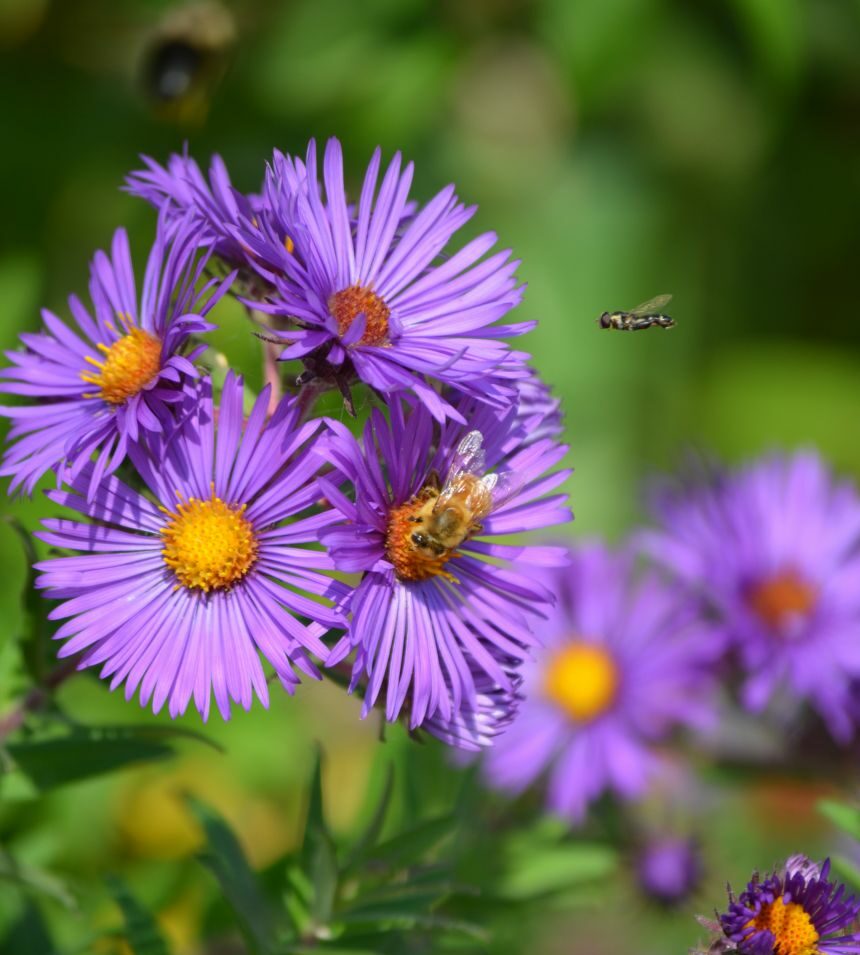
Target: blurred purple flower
{"x":775,"y":549}
{"x":96,"y":392}
{"x":369,"y":292}
{"x":796,"y":911}
{"x":669,"y":869}
{"x":181,"y":596}
{"x":442,"y":627}
{"x":623,"y":663}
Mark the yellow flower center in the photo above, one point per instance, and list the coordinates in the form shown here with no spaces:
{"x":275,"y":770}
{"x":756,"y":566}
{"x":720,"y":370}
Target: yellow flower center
{"x":791,"y":926}
{"x":130,"y":363}
{"x":209,"y":545}
{"x":346,"y":305}
{"x":582,"y":678}
{"x":781,"y":597}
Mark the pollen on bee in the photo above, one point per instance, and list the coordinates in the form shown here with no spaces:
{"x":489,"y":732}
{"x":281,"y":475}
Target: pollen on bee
{"x":411,"y":562}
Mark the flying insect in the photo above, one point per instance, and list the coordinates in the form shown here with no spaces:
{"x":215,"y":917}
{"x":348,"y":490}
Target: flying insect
{"x":646,"y":315}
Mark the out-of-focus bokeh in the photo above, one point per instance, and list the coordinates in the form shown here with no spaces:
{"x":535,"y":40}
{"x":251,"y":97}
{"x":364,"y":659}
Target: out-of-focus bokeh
{"x":622,"y":148}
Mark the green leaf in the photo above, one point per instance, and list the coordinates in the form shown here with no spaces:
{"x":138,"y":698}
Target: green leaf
{"x":37,"y":633}
{"x":408,"y":847}
{"x":843,"y":816}
{"x":92,"y":750}
{"x":319,"y":858}
{"x":373,"y":829}
{"x":548,"y":869}
{"x":224,"y":858}
{"x":35,"y":880}
{"x":142,"y":932}
{"x":28,"y":936}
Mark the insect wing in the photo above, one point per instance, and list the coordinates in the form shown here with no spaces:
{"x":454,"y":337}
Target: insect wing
{"x":470,"y":457}
{"x":652,"y":306}
{"x":507,"y":485}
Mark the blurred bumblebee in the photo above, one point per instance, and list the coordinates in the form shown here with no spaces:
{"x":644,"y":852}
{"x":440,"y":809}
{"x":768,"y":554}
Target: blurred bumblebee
{"x":186,"y":58}
{"x":646,"y":315}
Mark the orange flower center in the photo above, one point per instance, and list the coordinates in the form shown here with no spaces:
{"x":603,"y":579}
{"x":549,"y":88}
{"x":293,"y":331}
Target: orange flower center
{"x":791,"y":926}
{"x":130,"y":363}
{"x":582,"y":678}
{"x":781,"y":597}
{"x":346,"y":305}
{"x":412,"y":545}
{"x":209,"y":545}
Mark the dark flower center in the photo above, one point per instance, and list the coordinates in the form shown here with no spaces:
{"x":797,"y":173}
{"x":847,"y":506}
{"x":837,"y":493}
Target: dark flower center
{"x":346,"y":305}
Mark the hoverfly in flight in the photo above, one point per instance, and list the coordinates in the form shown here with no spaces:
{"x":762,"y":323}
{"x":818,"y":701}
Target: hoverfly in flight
{"x":643,"y":316}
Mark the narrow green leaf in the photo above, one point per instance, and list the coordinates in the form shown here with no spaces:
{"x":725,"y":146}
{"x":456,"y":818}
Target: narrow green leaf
{"x":843,"y":816}
{"x":35,"y":880}
{"x":28,"y":936}
{"x":371,"y":834}
{"x":224,"y":858}
{"x":37,"y":633}
{"x":92,"y":750}
{"x":142,"y":932}
{"x":408,"y":847}
{"x":319,"y":857}
{"x":550,"y":869}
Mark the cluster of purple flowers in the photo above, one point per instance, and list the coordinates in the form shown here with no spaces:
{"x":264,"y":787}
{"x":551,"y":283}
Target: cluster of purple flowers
{"x":747,"y":576}
{"x":222,"y":539}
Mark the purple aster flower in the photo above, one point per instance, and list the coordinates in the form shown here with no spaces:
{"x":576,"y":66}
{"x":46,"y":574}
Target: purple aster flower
{"x":181,"y":190}
{"x":477,"y":727}
{"x":669,"y":869}
{"x":623,"y":663}
{"x":443,"y":613}
{"x":97,"y":389}
{"x":775,"y":549}
{"x":795,"y":911}
{"x":371,"y":295}
{"x":181,"y":596}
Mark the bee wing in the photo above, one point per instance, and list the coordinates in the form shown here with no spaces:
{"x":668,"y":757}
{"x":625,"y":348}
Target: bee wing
{"x":469,"y":457}
{"x":506,"y":485}
{"x":652,"y":306}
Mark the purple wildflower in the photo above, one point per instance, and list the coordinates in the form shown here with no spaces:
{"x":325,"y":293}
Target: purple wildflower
{"x":669,"y":869}
{"x":441,"y":616}
{"x":98,"y":389}
{"x":181,"y":190}
{"x":369,"y":293}
{"x":623,"y":663}
{"x":796,"y":911}
{"x":775,"y":548}
{"x":179,"y":597}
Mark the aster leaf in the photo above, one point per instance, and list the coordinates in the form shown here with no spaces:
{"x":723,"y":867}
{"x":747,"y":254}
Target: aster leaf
{"x":842,"y":815}
{"x":141,"y":930}
{"x":37,"y":635}
{"x":372,"y":831}
{"x":408,"y":847}
{"x":224,"y":858}
{"x":28,"y":934}
{"x":319,"y":857}
{"x":35,"y":880}
{"x":93,"y":750}
{"x":546,"y":870}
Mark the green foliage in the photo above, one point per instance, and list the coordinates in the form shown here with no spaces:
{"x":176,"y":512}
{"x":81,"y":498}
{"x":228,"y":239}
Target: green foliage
{"x":142,"y":933}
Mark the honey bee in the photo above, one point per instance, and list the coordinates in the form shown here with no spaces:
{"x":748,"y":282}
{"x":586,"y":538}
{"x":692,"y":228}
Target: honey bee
{"x":645,"y":315}
{"x":449,"y":515}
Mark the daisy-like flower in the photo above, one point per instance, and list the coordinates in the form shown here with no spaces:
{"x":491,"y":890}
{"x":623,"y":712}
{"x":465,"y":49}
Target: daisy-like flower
{"x":181,"y":190}
{"x":369,"y":292}
{"x":797,"y":910}
{"x":623,"y":663}
{"x":669,"y":869}
{"x":96,"y":389}
{"x":180,"y":595}
{"x":443,"y":614}
{"x":775,"y":549}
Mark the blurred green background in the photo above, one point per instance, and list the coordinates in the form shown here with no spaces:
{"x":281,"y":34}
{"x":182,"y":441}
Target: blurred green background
{"x":622,"y":148}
